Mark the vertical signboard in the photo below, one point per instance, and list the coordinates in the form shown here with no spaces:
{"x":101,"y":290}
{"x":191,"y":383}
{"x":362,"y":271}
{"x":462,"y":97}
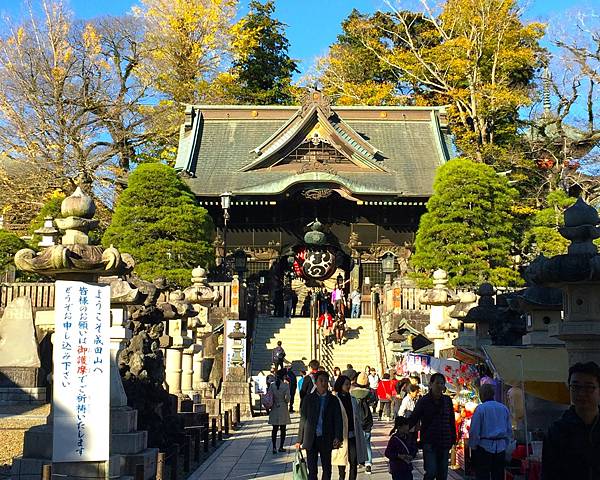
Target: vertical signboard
{"x":81,"y":372}
{"x":229,"y":343}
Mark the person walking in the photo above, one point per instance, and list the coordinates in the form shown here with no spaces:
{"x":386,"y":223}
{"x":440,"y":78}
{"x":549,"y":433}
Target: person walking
{"x":278,"y":356}
{"x":354,"y":300}
{"x":309,"y":380}
{"x":336,"y":373}
{"x":572,"y":446}
{"x":361,"y":391}
{"x":350,"y":372}
{"x":293,"y":383}
{"x":401,"y":449}
{"x":321,"y":429}
{"x":353,"y":449}
{"x":373,"y":384}
{"x":301,"y":379}
{"x":409,"y":401}
{"x":384,"y":395}
{"x":438,"y":432}
{"x":279,"y":417}
{"x":489,"y":435}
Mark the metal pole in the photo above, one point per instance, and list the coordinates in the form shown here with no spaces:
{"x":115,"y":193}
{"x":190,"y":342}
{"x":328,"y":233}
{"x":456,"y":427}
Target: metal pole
{"x":47,"y":472}
{"x":160,"y":466}
{"x":524,"y":406}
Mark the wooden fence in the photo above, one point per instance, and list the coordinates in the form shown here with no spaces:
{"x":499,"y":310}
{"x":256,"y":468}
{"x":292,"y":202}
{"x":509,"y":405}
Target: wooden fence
{"x":41,"y":294}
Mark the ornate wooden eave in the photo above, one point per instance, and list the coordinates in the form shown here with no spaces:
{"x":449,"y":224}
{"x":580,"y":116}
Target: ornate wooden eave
{"x":316,"y":123}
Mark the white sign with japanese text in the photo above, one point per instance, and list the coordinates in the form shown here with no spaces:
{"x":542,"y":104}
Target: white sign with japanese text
{"x":81,"y":372}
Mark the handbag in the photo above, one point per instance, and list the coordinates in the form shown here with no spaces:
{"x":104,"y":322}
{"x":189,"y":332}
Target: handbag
{"x":267,"y":400}
{"x":299,"y":468}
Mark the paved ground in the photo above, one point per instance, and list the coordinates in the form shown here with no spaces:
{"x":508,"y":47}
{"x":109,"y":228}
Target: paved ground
{"x":247,"y":454}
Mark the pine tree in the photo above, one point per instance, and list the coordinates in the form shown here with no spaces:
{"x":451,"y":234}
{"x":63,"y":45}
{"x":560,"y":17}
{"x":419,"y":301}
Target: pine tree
{"x":542,"y":235}
{"x":157,"y":221}
{"x":469,"y":227}
{"x":262,"y":68}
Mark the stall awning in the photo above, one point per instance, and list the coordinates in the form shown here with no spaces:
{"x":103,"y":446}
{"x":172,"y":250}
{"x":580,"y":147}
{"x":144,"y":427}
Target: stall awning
{"x":463,"y":354}
{"x":545,"y":369}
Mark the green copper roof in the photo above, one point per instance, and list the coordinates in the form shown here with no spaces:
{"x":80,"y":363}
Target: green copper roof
{"x":213,"y":150}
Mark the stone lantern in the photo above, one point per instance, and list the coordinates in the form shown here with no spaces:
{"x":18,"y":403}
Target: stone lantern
{"x":76,"y":260}
{"x":483,"y":315}
{"x":201,"y":296}
{"x":543,"y":308}
{"x":48,"y":233}
{"x":237,"y":336}
{"x":176,"y":313}
{"x":577,"y":274}
{"x":441,"y":331}
{"x":467,"y":336}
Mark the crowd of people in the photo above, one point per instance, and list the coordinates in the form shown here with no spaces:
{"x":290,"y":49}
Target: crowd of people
{"x":337,"y":417}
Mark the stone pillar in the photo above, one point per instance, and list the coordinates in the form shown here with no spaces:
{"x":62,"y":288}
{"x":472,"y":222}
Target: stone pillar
{"x":173,"y":360}
{"x":440,"y":329}
{"x":197,"y":383}
{"x":119,"y":334}
{"x":187,"y":366}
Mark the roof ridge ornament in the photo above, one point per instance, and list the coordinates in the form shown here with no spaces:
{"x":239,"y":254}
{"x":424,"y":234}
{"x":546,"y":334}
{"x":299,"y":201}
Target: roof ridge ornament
{"x":316,"y":99}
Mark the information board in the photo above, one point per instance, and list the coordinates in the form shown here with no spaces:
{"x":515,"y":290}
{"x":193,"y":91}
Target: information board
{"x":81,"y":372}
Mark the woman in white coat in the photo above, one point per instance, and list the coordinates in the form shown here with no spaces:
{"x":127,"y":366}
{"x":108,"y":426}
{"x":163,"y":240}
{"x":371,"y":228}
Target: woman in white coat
{"x":279,"y":416}
{"x":354,"y":449}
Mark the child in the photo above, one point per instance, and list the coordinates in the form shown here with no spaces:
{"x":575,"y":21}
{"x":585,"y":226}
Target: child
{"x":401,"y":450}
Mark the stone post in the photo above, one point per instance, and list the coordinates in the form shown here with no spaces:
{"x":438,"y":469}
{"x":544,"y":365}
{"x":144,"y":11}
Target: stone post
{"x":440,"y":330}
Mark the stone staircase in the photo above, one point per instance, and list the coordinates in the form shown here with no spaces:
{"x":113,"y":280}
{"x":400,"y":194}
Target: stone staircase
{"x":294,"y":334}
{"x":360,"y":348}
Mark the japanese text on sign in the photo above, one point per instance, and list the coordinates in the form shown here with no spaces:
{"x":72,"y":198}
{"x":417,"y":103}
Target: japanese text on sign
{"x":82,"y":387}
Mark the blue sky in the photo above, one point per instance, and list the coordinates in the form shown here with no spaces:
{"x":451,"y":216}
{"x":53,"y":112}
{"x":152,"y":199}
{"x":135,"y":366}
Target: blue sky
{"x":312,"y":24}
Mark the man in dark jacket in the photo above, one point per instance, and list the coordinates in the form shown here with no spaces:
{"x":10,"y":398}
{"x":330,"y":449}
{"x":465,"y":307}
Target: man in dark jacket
{"x":278,"y":356}
{"x":293,"y":381}
{"x":572,"y":445}
{"x":350,"y":372}
{"x":309,"y":380}
{"x":438,"y":432}
{"x":321,"y":428}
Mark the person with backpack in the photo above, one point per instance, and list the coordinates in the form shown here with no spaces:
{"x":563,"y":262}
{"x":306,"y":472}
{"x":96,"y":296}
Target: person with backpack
{"x":279,"y":416}
{"x":278,"y":356}
{"x":361,"y":391}
{"x":401,"y":450}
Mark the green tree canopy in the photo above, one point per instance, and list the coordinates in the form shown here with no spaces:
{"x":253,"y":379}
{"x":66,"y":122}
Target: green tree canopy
{"x":469,"y":227}
{"x":156,"y":220}
{"x":476,"y":56}
{"x":262,"y":69}
{"x":542,"y":235}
